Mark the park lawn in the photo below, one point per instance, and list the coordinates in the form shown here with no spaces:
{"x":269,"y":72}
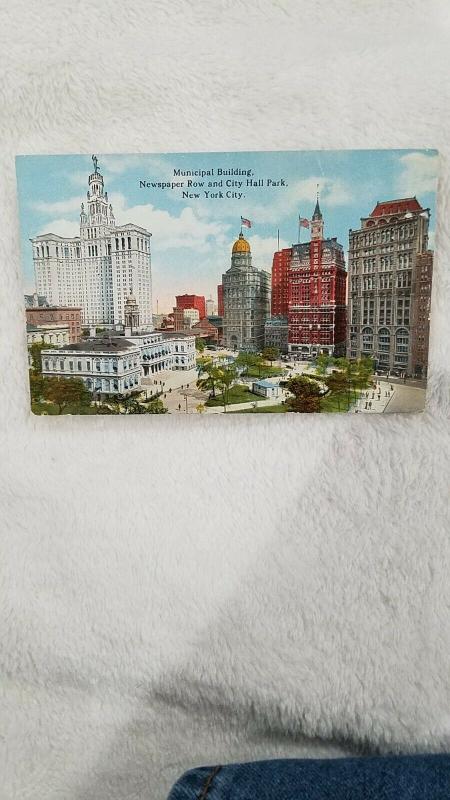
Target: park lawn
{"x":338,"y":402}
{"x":237,"y":394}
{"x":51,"y":410}
{"x":264,"y":372}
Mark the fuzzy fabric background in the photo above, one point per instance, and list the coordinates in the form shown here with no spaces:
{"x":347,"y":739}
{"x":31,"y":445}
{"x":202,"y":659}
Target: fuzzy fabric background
{"x":181,"y":592}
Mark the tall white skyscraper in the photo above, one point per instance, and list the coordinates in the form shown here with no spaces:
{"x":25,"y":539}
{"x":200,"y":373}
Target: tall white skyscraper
{"x":101,"y":267}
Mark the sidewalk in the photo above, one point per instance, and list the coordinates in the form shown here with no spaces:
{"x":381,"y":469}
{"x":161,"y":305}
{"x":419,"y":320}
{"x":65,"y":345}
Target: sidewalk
{"x":370,"y":397}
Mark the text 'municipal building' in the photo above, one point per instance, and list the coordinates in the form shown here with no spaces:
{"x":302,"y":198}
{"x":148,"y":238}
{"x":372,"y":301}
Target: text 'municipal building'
{"x":98,"y":269}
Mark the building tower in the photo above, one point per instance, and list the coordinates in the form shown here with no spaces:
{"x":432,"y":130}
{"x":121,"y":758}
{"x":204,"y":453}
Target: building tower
{"x":131,"y":314}
{"x":317,"y":283}
{"x":95,"y":269}
{"x":246,"y":300}
{"x":386,"y":258}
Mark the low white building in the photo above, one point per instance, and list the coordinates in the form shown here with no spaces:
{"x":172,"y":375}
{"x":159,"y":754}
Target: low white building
{"x":265,"y":389}
{"x":116,"y":364}
{"x":52,"y":334}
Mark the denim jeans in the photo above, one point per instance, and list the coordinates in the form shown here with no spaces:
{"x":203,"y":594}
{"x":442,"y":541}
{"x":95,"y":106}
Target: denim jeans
{"x":423,"y":777}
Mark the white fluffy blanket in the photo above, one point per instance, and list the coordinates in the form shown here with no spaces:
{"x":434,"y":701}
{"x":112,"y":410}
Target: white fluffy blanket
{"x":181,"y":592}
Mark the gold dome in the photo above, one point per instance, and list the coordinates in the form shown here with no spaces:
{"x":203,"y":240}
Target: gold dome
{"x":241,"y":245}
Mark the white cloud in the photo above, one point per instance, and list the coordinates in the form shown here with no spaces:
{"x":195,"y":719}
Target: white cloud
{"x":418,"y":174}
{"x":58,"y":207}
{"x":262,"y":249}
{"x":285,"y":202}
{"x":170,"y":231}
{"x":62,"y":227}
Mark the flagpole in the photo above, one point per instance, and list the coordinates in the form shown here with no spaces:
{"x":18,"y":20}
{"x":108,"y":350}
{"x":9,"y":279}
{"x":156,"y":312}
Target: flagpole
{"x":278,"y":239}
{"x":299,"y":229}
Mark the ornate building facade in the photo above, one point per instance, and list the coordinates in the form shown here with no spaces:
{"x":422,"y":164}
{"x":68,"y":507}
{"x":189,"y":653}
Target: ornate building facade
{"x":385,"y":257}
{"x":246,"y":300}
{"x":317,"y":294}
{"x":98,"y":269}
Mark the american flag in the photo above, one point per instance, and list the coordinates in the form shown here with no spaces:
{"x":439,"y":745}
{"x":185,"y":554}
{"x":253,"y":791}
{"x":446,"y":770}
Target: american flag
{"x":246,"y":222}
{"x":303,"y":222}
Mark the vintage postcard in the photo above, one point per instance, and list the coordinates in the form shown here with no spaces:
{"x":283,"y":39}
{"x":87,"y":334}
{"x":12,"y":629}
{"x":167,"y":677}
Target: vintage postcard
{"x":212,"y":283}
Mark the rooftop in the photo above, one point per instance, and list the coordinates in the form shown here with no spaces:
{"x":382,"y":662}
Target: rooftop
{"x":264,"y":384}
{"x":400,"y":206}
{"x":100,"y":345}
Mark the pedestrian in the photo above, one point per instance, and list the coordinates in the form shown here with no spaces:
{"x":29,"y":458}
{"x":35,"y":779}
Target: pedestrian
{"x":370,"y":405}
{"x":179,"y":406}
{"x":373,"y":395}
{"x":392,"y":388}
{"x":366,"y":405}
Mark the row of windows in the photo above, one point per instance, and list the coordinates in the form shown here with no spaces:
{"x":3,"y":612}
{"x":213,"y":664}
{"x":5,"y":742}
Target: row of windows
{"x":108,"y":365}
{"x":401,"y":340}
{"x":388,"y":235}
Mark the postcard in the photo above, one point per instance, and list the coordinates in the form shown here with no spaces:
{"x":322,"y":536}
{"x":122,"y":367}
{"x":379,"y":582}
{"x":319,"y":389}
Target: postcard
{"x":219,"y":283}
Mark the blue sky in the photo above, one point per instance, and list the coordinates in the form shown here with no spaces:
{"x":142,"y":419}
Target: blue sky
{"x":192,"y":238}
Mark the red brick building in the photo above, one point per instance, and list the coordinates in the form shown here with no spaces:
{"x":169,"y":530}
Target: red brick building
{"x":220,"y":300}
{"x":192,"y":301}
{"x":420,"y":328}
{"x":317,"y":288}
{"x":71,"y":316}
{"x":280,"y":275}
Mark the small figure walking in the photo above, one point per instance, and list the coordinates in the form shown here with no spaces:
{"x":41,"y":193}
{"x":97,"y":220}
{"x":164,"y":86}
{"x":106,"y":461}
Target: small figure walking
{"x":370,"y":405}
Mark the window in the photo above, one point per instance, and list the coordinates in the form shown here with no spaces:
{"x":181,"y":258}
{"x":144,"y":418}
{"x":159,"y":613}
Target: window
{"x":385,"y":310}
{"x":403,"y":306}
{"x":66,"y":252}
{"x":79,"y":365}
{"x":61,"y":365}
{"x":45,"y":364}
{"x":129,"y":243}
{"x":367,"y":339}
{"x":123,"y":243}
{"x":88,"y":366}
{"x":401,"y":341}
{"x":384,"y":340}
{"x":71,"y":366}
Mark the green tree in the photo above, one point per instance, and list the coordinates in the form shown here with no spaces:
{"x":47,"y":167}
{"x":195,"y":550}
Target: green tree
{"x":37,"y":384}
{"x":270,"y":354}
{"x":249,"y":361}
{"x":35,"y":352}
{"x":337,"y":385}
{"x":323,"y":362}
{"x":63,"y":392}
{"x":226,"y":376}
{"x":155,"y":406}
{"x":199,"y":345}
{"x":211,"y":375}
{"x":306,"y":393}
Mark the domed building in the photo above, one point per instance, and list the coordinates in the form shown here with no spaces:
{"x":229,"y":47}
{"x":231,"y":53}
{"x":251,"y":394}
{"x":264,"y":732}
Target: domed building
{"x":246,"y":300}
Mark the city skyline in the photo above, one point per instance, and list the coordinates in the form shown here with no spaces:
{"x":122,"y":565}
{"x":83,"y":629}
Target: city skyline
{"x":192,"y":238}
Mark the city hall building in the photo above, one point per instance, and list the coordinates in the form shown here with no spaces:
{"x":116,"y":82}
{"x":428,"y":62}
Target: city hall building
{"x":116,"y":364}
{"x":98,"y":269}
{"x":386,"y":295}
{"x":246,"y":300}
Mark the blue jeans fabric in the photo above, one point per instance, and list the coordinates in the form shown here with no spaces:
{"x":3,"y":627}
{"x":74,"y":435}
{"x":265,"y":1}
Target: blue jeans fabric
{"x":423,"y":777}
